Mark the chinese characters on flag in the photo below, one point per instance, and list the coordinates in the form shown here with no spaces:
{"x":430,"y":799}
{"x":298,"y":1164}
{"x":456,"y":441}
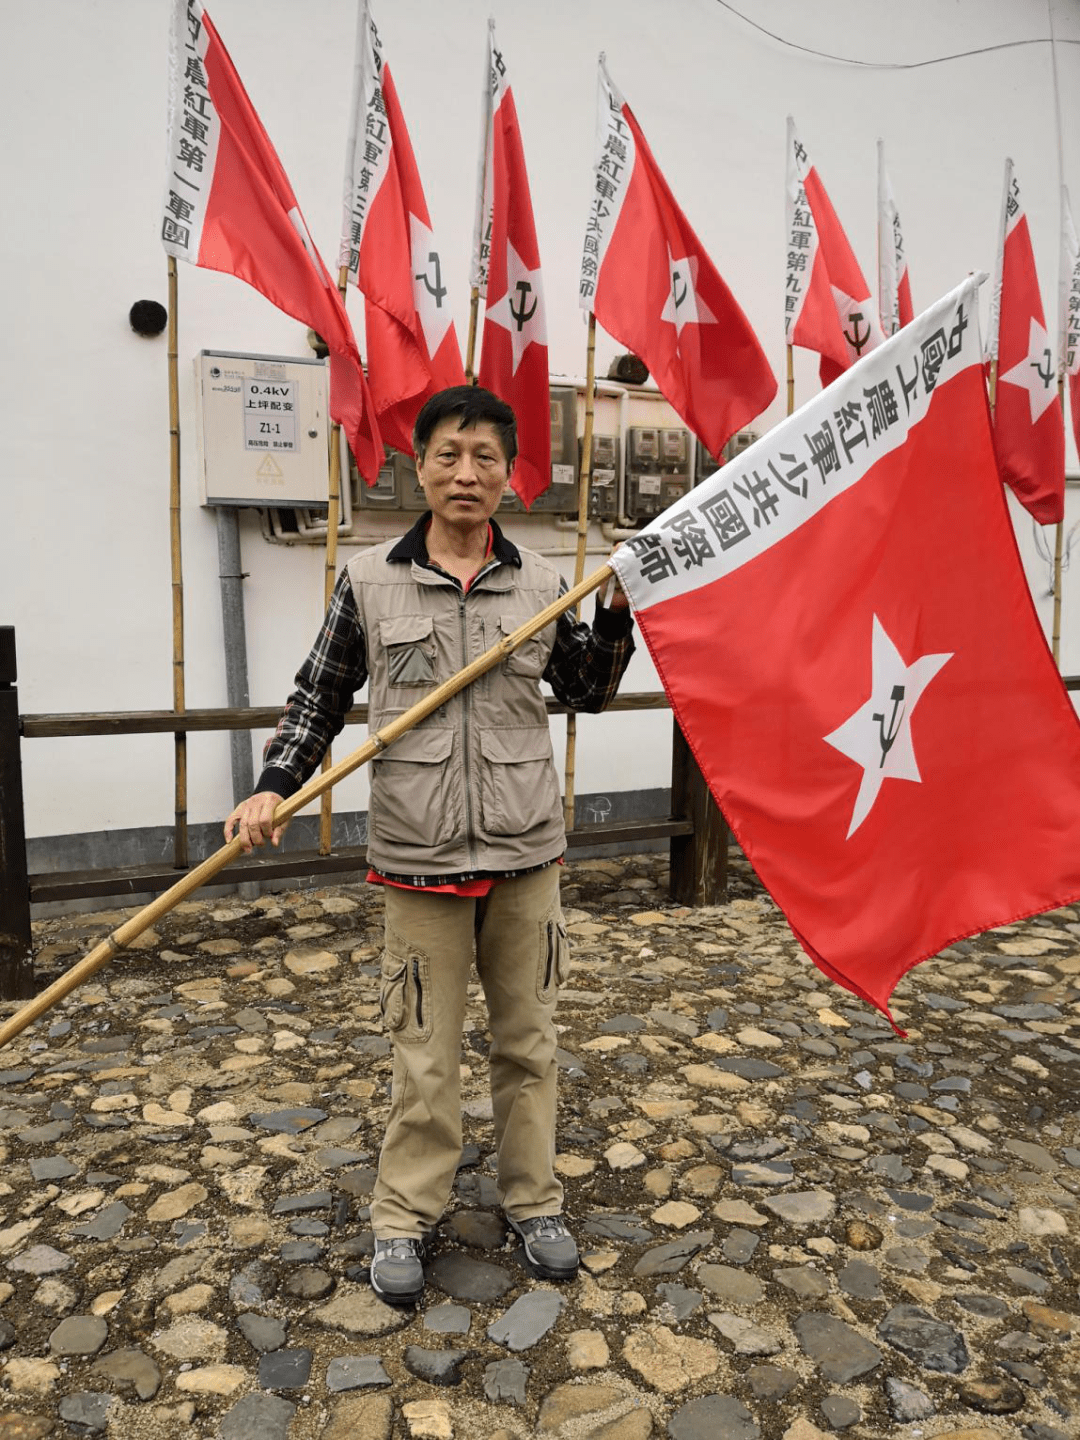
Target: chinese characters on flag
{"x":229,"y":206}
{"x":894,"y":287}
{"x":841,"y":621}
{"x":506,"y":269}
{"x":827,"y":304}
{"x":390,"y":252}
{"x":1028,"y":431}
{"x":647,"y":278}
{"x":1070,"y":319}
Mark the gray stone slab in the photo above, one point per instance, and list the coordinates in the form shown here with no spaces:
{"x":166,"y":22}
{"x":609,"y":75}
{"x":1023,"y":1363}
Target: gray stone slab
{"x":262,"y":1332}
{"x":711,"y":1417}
{"x":527,"y":1321}
{"x":284,"y":1369}
{"x":436,"y":1367}
{"x":839,"y":1352}
{"x":258,"y":1417}
{"x":288,"y":1122}
{"x":669,"y":1259}
{"x":505,"y":1381}
{"x":298,"y":1204}
{"x":356,"y":1372}
{"x":87,"y":1411}
{"x":52,"y":1167}
{"x":464,"y":1278}
{"x":924,"y":1339}
{"x":79,"y":1335}
{"x":124,"y":1368}
{"x":106,"y":1224}
{"x":448,"y":1319}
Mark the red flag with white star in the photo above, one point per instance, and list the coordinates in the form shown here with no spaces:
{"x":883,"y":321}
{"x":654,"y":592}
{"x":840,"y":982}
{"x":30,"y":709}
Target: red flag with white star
{"x":842,"y":623}
{"x":647,"y":278}
{"x":1028,"y":432}
{"x":514,"y":359}
{"x":390,"y":251}
{"x":827,"y":302}
{"x":229,"y":206}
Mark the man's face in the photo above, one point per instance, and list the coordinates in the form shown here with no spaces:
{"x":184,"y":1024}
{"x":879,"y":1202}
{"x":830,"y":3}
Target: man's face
{"x":464,"y":472}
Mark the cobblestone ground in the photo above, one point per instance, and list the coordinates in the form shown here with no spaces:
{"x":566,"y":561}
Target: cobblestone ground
{"x":793,"y":1222}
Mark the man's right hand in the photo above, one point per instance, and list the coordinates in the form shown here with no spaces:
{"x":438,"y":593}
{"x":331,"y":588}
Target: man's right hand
{"x":253,"y":820}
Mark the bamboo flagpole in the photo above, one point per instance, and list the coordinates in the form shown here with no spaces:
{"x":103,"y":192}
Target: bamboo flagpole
{"x":579,"y":559}
{"x":791,"y":379}
{"x":470,"y":346}
{"x":180,"y":833}
{"x":121,"y":938}
{"x":333,"y":512}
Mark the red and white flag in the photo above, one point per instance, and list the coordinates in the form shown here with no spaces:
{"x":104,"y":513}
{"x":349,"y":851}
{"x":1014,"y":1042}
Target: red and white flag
{"x":1028,"y":429}
{"x":894,"y":287}
{"x":843,"y":625}
{"x":827,"y":303}
{"x":229,"y":206}
{"x":647,"y":278}
{"x":1069,"y":331}
{"x":506,"y":270}
{"x":389,"y":250}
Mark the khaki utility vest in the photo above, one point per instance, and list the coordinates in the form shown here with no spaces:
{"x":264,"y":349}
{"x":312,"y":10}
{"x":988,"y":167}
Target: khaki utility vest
{"x":474,"y":786}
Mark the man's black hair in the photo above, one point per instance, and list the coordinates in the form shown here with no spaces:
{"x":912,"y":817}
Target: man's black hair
{"x":471,"y":404}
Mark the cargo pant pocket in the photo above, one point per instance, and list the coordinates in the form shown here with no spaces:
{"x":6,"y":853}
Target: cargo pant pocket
{"x":405,"y":996}
{"x":554,"y":958}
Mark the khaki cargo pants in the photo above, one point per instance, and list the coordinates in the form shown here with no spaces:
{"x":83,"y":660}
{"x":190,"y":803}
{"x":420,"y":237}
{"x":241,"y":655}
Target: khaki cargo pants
{"x":517,"y":938}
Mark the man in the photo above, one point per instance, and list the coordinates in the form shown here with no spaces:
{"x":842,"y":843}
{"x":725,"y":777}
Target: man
{"x":464,"y":827}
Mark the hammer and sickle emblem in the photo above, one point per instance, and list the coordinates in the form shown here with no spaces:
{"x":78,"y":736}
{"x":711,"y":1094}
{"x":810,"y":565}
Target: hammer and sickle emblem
{"x":1047,"y":375}
{"x":887,"y":734}
{"x":438,"y":289}
{"x":854,"y":339}
{"x":676,"y":276}
{"x":521,"y":316}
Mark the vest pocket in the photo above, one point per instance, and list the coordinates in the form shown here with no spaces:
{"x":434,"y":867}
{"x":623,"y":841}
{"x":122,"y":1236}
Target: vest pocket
{"x":531,"y":657}
{"x":409,"y":643}
{"x":518,"y":788}
{"x":415,"y":792}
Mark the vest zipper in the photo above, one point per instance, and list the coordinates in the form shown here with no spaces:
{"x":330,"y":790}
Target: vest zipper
{"x":419,"y":994}
{"x":466,"y":712}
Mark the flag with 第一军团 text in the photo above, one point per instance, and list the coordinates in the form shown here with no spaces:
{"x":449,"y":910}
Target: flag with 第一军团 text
{"x":841,"y":621}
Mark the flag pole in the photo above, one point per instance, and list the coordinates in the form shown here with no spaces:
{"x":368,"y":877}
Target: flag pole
{"x":470,"y":347}
{"x":121,"y":938}
{"x":791,"y":379}
{"x":579,"y":559}
{"x":180,"y":833}
{"x":333,"y":511}
{"x":1059,"y":544}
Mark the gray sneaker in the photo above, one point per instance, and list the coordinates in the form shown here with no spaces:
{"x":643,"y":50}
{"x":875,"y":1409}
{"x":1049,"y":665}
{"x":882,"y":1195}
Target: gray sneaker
{"x":549,"y":1247}
{"x":397,"y":1270}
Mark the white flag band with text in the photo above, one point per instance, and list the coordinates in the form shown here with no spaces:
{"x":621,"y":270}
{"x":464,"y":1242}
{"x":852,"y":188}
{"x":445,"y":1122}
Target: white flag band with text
{"x":194,"y":131}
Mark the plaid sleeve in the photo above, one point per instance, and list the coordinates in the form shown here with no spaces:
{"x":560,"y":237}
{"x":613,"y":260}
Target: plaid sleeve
{"x":322,"y":697}
{"x":587,"y":661}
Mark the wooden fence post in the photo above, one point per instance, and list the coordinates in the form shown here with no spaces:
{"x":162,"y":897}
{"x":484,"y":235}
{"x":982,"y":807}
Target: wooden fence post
{"x":698,"y":860}
{"x":16,"y":947}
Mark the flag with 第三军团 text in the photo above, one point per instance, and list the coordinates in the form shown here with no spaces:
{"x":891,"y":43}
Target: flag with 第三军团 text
{"x":842,"y":623}
{"x":827,"y":303}
{"x":648,"y":280}
{"x":506,"y":272}
{"x":228,"y":206}
{"x":389,"y":250}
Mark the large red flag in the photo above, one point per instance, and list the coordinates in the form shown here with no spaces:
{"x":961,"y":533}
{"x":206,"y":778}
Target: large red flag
{"x":894,"y":286}
{"x":514,"y":360}
{"x":229,"y":206}
{"x":390,"y":252}
{"x":1028,"y":429}
{"x":842,"y":623}
{"x":827,"y":303}
{"x":651,"y":285}
{"x":1070,"y":316}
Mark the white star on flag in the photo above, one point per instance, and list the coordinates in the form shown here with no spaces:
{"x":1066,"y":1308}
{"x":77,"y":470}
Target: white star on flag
{"x":683,"y":306}
{"x":521,"y":309}
{"x":429,"y":289}
{"x":1035,"y":373}
{"x":878,"y":735}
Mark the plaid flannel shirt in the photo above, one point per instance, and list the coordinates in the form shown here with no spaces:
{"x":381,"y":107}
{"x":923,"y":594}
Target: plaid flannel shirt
{"x":584,"y":670}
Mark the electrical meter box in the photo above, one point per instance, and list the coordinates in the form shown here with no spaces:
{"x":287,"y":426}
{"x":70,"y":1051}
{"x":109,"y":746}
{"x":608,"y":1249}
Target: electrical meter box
{"x":603,"y":484}
{"x":739,"y":442}
{"x":561,"y":496}
{"x":659,"y":470}
{"x":383,"y":495}
{"x":262,"y":430}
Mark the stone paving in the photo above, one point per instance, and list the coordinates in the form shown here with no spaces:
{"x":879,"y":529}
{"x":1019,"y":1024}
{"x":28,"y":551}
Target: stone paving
{"x":794,"y":1223}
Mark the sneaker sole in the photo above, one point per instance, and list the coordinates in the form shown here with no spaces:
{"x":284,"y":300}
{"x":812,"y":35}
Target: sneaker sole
{"x":549,"y":1272}
{"x":390,"y":1297}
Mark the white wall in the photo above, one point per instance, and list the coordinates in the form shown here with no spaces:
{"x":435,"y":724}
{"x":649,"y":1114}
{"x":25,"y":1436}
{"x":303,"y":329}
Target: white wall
{"x":84,"y":561}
